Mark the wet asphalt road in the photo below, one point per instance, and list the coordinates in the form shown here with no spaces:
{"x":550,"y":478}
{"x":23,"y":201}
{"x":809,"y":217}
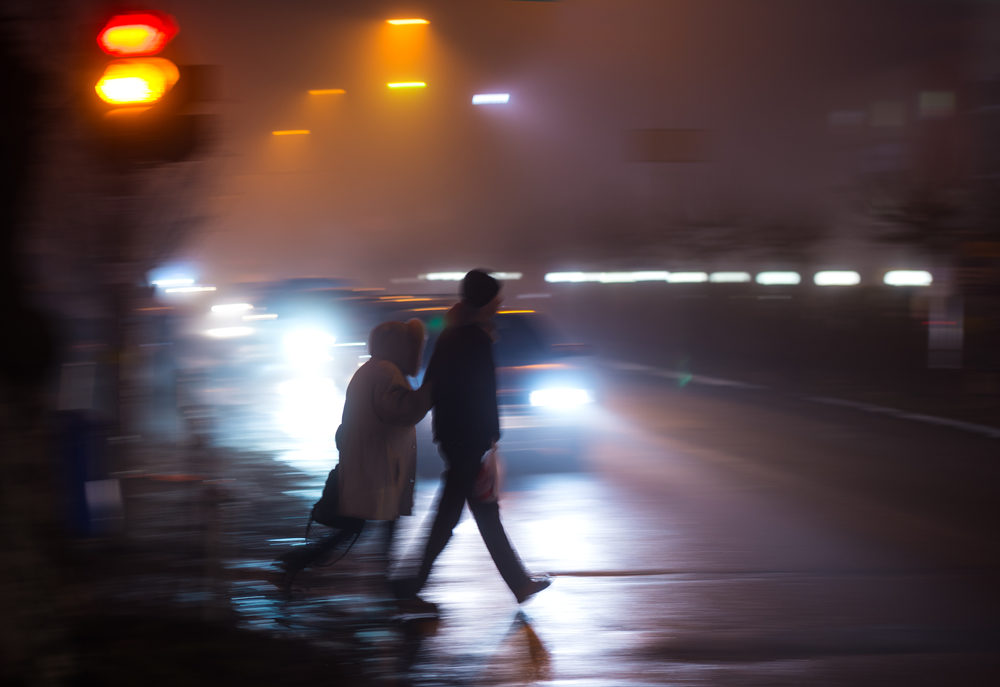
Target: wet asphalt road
{"x":697,"y":535}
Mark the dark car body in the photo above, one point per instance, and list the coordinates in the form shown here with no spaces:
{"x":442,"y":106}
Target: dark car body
{"x":546,"y":388}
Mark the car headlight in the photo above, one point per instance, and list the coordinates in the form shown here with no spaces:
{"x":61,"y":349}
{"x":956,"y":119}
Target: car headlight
{"x":231,"y":308}
{"x":560,"y":397}
{"x":305,"y":347}
{"x":228,"y":332}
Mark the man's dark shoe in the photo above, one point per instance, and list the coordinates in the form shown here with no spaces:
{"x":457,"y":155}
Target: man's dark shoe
{"x":282,"y":580}
{"x":287,"y":569}
{"x":414,"y":605}
{"x":404,"y":588}
{"x":532,"y":587}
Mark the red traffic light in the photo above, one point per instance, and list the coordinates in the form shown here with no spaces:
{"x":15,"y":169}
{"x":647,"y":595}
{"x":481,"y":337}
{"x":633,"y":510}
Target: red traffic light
{"x":135,"y":34}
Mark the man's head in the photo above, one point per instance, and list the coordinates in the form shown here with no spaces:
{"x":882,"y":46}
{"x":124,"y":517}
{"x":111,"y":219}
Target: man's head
{"x":481,"y":291}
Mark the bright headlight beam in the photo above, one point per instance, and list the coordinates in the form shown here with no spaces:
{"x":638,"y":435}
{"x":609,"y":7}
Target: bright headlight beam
{"x":228,"y":332}
{"x":308,"y":347}
{"x":561,"y":397}
{"x":189,"y":289}
{"x":231,"y":308}
{"x":406,"y":84}
{"x":174,"y":282}
{"x":491,"y":99}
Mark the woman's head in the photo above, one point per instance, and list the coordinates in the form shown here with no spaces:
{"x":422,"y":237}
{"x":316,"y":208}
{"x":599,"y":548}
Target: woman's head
{"x":401,"y":343}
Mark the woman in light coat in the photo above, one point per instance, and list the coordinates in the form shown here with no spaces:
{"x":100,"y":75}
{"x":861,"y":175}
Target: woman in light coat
{"x":378,"y":443}
{"x":377,"y":440}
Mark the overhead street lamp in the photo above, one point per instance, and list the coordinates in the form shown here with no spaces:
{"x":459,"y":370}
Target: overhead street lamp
{"x":491,"y":99}
{"x":407,"y":22}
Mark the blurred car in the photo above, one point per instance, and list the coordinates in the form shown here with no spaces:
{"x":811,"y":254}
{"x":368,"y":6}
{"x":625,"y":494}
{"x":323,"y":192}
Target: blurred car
{"x":545,"y":387}
{"x":292,"y":328}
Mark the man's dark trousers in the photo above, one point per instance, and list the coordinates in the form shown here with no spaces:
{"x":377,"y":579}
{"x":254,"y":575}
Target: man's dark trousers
{"x":459,"y":481}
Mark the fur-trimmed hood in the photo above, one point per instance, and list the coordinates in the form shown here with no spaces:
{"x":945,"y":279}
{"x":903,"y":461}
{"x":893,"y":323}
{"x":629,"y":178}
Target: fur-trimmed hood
{"x":402,"y":344}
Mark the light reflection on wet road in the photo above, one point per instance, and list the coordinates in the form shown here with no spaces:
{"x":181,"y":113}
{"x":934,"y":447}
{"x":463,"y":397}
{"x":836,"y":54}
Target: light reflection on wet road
{"x":675,"y":563}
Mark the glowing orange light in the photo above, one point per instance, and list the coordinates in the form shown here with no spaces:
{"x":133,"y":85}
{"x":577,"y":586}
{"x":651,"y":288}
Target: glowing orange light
{"x":127,"y":111}
{"x":407,"y":84}
{"x":514,"y":312}
{"x":407,"y":22}
{"x":136,"y":82}
{"x":327,"y":91}
{"x":136,"y":34}
{"x":291,"y":132}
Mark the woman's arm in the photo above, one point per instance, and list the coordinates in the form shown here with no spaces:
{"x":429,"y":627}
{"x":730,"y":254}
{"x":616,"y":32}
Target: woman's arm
{"x":396,"y":402}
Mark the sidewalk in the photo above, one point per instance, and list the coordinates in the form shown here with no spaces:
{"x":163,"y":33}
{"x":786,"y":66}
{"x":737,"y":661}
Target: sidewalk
{"x":159,"y":594}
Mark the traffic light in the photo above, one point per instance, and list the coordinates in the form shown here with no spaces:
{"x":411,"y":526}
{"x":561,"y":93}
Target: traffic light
{"x":137,"y":77}
{"x":141,"y":94}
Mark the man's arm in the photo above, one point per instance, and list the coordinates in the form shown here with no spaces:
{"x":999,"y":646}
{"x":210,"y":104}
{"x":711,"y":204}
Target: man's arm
{"x":486,"y":387}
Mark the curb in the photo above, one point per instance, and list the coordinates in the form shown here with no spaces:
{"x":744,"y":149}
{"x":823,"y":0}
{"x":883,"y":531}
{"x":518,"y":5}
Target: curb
{"x":688,"y":378}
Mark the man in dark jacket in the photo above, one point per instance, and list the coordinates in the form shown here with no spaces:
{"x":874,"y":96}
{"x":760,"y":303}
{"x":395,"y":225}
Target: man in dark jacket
{"x":466,"y":425}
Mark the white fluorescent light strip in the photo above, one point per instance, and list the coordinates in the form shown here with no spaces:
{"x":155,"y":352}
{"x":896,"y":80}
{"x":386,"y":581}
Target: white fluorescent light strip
{"x":778,"y":278}
{"x":687,"y":277}
{"x":729,"y":277}
{"x":908,"y":278}
{"x":458,"y":276}
{"x":261,"y":316}
{"x":606,"y":277}
{"x":190,"y":289}
{"x":649,"y":275}
{"x":167,"y":283}
{"x":837,"y":278}
{"x":491,"y":99}
{"x":557,"y":277}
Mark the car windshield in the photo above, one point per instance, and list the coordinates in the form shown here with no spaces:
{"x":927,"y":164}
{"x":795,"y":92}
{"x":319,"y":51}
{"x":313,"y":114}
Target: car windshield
{"x":520,"y":341}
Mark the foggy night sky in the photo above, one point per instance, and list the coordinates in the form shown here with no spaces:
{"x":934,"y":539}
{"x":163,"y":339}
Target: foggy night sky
{"x":394,"y":184}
